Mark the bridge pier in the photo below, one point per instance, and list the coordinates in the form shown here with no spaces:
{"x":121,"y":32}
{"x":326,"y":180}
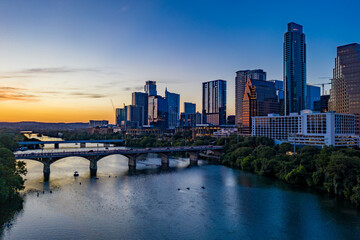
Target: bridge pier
{"x":82,"y":145}
{"x":132,"y":162}
{"x":56,"y":145}
{"x":93,"y":168}
{"x":164,"y":159}
{"x":46,"y":171}
{"x":194,"y":156}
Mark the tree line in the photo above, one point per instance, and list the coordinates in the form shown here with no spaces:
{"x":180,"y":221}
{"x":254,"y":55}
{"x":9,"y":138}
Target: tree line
{"x":329,"y":169}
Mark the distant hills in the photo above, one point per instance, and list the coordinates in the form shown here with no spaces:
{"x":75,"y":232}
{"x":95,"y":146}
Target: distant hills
{"x":33,"y":126}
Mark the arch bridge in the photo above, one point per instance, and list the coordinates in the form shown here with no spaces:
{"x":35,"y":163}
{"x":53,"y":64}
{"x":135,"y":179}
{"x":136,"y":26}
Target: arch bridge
{"x":47,"y":158}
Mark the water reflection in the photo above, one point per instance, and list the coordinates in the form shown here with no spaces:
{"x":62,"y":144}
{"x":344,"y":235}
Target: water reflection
{"x":168,"y":202}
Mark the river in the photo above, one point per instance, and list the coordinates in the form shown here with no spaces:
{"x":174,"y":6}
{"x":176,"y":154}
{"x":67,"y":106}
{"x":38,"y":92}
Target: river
{"x":154,"y":203}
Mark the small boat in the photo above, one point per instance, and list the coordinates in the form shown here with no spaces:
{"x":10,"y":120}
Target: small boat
{"x":76,"y":174}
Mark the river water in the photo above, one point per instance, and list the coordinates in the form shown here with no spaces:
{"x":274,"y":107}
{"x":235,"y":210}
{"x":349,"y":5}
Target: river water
{"x":147,"y":204}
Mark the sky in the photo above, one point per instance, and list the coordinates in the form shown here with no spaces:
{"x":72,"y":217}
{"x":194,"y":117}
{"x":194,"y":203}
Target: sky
{"x":67,"y":61}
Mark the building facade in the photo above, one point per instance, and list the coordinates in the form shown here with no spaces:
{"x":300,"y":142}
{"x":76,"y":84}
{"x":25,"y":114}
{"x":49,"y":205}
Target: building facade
{"x":345,"y":91}
{"x":294,"y":69}
{"x":141,"y":99}
{"x":312,"y":95}
{"x":189,"y":108}
{"x":240,"y":81}
{"x":157,"y":111}
{"x":150,"y":88}
{"x":308,"y":128}
{"x":214,"y":102}
{"x":323,"y":104}
{"x":259,"y":100}
{"x":173,"y":109}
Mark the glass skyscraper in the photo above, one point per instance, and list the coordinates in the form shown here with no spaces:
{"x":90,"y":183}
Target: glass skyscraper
{"x":240,"y":81}
{"x":345,"y":91}
{"x":214,"y":102}
{"x":150,"y":88}
{"x":294,"y":69}
{"x":173,"y":109}
{"x":141,"y":99}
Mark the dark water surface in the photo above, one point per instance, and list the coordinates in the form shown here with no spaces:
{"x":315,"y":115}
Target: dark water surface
{"x":147,"y":204}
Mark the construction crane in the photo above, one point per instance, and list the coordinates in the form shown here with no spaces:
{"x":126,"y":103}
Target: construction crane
{"x":322,"y":86}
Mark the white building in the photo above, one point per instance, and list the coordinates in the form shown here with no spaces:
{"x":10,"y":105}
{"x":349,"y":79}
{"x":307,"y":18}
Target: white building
{"x":308,"y":128}
{"x":225,"y":132}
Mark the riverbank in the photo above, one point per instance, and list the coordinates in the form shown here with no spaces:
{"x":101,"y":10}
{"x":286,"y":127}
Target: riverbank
{"x":332,"y":170}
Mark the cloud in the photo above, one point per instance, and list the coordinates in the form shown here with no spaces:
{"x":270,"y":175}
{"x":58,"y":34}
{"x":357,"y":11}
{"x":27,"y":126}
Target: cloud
{"x":87,"y":95}
{"x":16,"y":94}
{"x":133,"y":88}
{"x":54,"y":70}
{"x":32,"y":72}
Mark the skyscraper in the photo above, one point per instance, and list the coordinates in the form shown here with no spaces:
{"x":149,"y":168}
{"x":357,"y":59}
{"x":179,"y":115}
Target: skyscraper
{"x":260,"y":99}
{"x":240,"y":81}
{"x":141,"y":99}
{"x":294,"y":68}
{"x":345,"y":92}
{"x":157,"y":111}
{"x":189,"y":108}
{"x":150,"y":88}
{"x":173,"y":109}
{"x":312,"y":95}
{"x":214,"y":102}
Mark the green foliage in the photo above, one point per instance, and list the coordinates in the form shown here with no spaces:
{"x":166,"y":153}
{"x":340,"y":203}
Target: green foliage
{"x":335,"y":170}
{"x":11,"y":171}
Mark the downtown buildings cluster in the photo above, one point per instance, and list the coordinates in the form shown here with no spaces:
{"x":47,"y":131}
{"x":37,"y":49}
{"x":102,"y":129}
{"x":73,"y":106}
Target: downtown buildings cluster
{"x":287,"y":111}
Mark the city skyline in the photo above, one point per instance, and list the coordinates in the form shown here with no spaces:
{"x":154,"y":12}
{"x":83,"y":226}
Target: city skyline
{"x":55,"y":68}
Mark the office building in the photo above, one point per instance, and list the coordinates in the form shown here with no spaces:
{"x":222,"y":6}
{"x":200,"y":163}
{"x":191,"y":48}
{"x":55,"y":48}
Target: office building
{"x":135,"y":114}
{"x":157,"y":111}
{"x":294,"y":69}
{"x":308,"y":128}
{"x":230,"y":120}
{"x":189,"y":107}
{"x":259,"y":100}
{"x":345,"y":90}
{"x":323,"y":104}
{"x":98,"y":123}
{"x":150,"y":88}
{"x":141,"y":99}
{"x":120,"y":116}
{"x":312,"y":95}
{"x":173,"y":109}
{"x":214,"y":102}
{"x":240,"y":81}
{"x":190,"y":119}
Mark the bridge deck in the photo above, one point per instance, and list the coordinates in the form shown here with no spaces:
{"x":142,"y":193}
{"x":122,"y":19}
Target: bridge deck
{"x":70,"y":141}
{"x":104,"y":152}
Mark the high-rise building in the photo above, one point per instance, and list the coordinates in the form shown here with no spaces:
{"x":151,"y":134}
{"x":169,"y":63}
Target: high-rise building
{"x":157,"y":111}
{"x":259,"y":100}
{"x":150,"y":88}
{"x":312,"y":95}
{"x":135,"y":114}
{"x":294,"y":69}
{"x":323,"y":104}
{"x":240,"y":81}
{"x":173,"y":109}
{"x":214,"y":102}
{"x":189,"y":107}
{"x":345,"y":91}
{"x":120,"y":116}
{"x":141,"y":99}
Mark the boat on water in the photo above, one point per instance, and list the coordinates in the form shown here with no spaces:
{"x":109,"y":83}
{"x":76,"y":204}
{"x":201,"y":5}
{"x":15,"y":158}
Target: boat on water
{"x":76,"y":174}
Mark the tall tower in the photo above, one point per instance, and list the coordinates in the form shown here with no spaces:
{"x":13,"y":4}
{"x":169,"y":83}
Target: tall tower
{"x":214,"y":102}
{"x":240,"y":81}
{"x":345,"y":93}
{"x":150,"y":88}
{"x":294,"y":69}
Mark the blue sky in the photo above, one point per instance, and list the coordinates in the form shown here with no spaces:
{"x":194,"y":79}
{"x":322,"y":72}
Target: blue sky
{"x":69,"y":58}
